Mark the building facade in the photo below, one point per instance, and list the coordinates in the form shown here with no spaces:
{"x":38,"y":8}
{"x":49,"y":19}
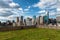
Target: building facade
{"x":41,"y":20}
{"x":21,"y":20}
{"x":17,"y":22}
{"x":29,"y":21}
{"x":58,"y":18}
{"x":34,"y":20}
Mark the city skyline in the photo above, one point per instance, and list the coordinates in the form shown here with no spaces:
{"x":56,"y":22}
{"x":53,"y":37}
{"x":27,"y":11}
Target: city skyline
{"x":10,"y":9}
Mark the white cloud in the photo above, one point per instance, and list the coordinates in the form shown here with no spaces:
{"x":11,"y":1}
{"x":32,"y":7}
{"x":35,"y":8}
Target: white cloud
{"x":39,"y":4}
{"x":20,"y":8}
{"x":13,"y":17}
{"x":3,"y":19}
{"x":44,"y":3}
{"x":2,"y":10}
{"x":58,"y":5}
{"x":13,"y":4}
{"x":8,"y":1}
{"x":52,"y":14}
{"x":28,"y":17}
{"x":58,"y":9}
{"x":42,"y":11}
{"x":26,"y":9}
{"x":59,"y":0}
{"x":43,"y":14}
{"x":58,"y":13}
{"x":9,"y":8}
{"x":8,"y":4}
{"x":50,"y":5}
{"x":29,"y":7}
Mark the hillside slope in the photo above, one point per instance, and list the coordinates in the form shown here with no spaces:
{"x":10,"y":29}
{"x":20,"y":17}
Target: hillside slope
{"x":31,"y":34}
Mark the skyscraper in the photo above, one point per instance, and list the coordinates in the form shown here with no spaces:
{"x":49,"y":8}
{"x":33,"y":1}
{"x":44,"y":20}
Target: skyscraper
{"x":14,"y":24}
{"x":25,"y":22}
{"x":21,"y":20}
{"x":34,"y":20}
{"x":17,"y":21}
{"x":58,"y":19}
{"x":41,"y":20}
{"x":47,"y":17}
{"x":29,"y":21}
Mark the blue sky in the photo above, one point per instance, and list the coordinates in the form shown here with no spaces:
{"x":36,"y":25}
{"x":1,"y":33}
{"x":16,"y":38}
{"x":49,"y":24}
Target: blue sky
{"x":34,"y":10}
{"x":10,"y":9}
{"x":24,"y":4}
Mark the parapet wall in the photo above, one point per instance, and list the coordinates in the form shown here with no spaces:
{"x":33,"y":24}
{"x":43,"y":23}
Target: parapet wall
{"x":11,"y":28}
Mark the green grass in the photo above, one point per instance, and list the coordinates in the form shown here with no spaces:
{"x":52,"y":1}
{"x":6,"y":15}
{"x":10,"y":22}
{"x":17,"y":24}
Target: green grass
{"x":31,"y":34}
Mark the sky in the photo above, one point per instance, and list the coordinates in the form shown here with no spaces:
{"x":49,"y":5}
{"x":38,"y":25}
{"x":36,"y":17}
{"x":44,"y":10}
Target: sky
{"x":10,"y":9}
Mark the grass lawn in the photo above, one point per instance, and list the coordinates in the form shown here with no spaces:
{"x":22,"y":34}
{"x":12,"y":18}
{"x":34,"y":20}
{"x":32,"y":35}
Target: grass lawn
{"x":31,"y":34}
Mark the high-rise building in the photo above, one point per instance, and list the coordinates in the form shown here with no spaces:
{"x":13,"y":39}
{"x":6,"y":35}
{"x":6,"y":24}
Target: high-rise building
{"x":34,"y":20}
{"x":46,"y":18}
{"x":41,"y":20}
{"x":17,"y":21}
{"x":25,"y":22}
{"x":14,"y":24}
{"x":29,"y":21}
{"x":58,"y":19}
{"x":38,"y":20}
{"x":21,"y":20}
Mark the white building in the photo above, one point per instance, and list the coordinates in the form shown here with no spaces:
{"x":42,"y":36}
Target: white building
{"x":17,"y":21}
{"x":58,"y":18}
{"x":41,"y":20}
{"x":28,"y":21}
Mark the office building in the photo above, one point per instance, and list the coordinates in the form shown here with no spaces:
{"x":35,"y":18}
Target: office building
{"x":25,"y":22}
{"x":21,"y":20}
{"x":41,"y":20}
{"x":17,"y":21}
{"x":45,"y":19}
{"x":34,"y":20}
{"x":38,"y":20}
{"x":58,"y":18}
{"x":29,"y":21}
{"x":14,"y":24}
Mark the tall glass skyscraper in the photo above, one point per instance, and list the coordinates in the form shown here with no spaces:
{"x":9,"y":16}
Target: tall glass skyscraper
{"x":34,"y":17}
{"x":34,"y":20}
{"x":46,"y":17}
{"x":21,"y":18}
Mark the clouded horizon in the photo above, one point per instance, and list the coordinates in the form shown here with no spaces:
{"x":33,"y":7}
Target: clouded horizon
{"x":10,"y":9}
